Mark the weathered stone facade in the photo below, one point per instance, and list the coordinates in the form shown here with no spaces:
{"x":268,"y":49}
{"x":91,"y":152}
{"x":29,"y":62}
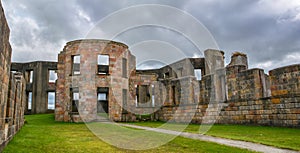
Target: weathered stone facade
{"x":99,"y":77}
{"x":15,"y":105}
{"x":229,"y":95}
{"x":80,"y":83}
{"x":38,"y":84}
{"x":5,"y":55}
{"x":251,"y":97}
{"x":12,"y":89}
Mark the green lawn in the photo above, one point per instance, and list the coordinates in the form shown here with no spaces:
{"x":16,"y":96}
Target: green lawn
{"x":42,"y":134}
{"x":275,"y":136}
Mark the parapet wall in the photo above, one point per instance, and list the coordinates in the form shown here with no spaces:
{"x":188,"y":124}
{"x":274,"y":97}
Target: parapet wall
{"x":281,"y":107}
{"x":285,"y":81}
{"x":253,"y":98}
{"x":245,"y":84}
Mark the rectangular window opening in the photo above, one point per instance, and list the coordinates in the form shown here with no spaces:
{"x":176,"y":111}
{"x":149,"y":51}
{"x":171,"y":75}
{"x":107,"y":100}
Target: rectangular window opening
{"x":29,"y":100}
{"x":198,"y":74}
{"x":76,"y":64}
{"x":30,"y":76}
{"x":74,"y":94}
{"x":167,"y":75}
{"x":153,"y":96}
{"x":102,"y":99}
{"x":124,"y":67}
{"x":51,"y":100}
{"x":174,"y":94}
{"x":143,"y":96}
{"x":102,"y":96}
{"x":136,"y":96}
{"x":52,"y":76}
{"x":103,"y":64}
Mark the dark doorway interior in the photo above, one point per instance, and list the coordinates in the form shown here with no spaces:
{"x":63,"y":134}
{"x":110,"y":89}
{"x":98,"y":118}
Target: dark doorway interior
{"x":102,"y":100}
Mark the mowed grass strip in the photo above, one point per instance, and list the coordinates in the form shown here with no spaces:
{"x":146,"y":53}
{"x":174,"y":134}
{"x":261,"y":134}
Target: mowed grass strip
{"x":281,"y":137}
{"x":42,"y":134}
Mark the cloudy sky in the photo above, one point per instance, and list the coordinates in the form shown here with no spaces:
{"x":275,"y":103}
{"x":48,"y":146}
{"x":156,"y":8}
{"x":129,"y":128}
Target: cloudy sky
{"x":267,"y":30}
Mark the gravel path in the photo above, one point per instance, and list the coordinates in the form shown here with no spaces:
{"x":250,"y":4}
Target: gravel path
{"x":227,"y":142}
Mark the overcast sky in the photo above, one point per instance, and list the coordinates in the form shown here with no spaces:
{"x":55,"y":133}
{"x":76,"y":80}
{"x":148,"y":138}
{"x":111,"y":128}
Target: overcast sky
{"x":267,"y":30}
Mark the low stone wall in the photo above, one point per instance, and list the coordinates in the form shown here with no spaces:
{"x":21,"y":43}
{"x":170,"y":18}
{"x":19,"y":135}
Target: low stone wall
{"x":271,"y":111}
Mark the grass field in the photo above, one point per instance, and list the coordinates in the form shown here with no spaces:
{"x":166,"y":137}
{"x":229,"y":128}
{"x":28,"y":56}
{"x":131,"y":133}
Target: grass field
{"x":275,"y":136}
{"x":42,"y":134}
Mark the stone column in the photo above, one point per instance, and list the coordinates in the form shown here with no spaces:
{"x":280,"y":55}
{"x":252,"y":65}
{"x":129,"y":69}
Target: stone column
{"x":214,"y":63}
{"x":214,"y":59}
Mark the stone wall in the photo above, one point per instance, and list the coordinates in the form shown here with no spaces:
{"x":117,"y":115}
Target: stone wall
{"x":227,"y":95}
{"x":245,"y":84}
{"x":12,"y":89}
{"x":114,"y":77}
{"x":285,"y":81}
{"x":15,"y":104}
{"x":40,"y":85}
{"x":253,"y":98}
{"x":254,"y":105}
{"x":5,"y":59}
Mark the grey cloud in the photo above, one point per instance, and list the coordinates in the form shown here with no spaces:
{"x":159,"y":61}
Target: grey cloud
{"x":242,"y":25}
{"x":40,"y":28}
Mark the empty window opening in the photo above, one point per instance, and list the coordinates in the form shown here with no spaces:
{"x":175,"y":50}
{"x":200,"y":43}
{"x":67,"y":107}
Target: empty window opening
{"x":52,"y":76}
{"x":74,"y":94}
{"x":15,"y":111}
{"x":9,"y":110}
{"x":153,"y":97}
{"x":102,"y":100}
{"x":124,"y":67}
{"x":29,"y":100}
{"x":51,"y":100}
{"x":198,"y":74}
{"x":76,"y":64}
{"x":102,"y":96}
{"x":30,"y":76}
{"x":174,"y":94}
{"x":103,"y":60}
{"x":143,"y":96}
{"x":103,"y":64}
{"x":136,"y":95}
{"x":167,"y":75}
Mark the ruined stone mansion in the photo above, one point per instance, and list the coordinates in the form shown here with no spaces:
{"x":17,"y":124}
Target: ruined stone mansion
{"x":96,"y":77}
{"x":99,"y":76}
